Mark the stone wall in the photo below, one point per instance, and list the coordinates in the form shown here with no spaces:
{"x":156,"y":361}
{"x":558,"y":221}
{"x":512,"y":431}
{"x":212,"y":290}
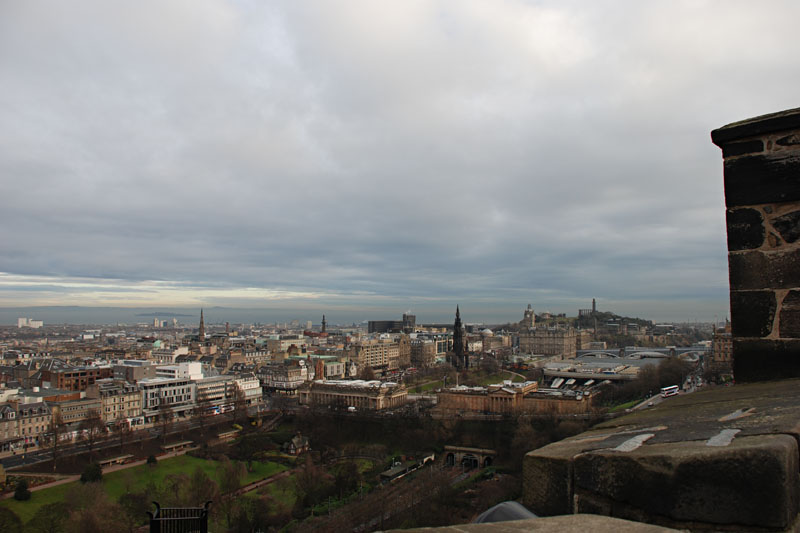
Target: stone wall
{"x":762,"y":196}
{"x":538,"y":404}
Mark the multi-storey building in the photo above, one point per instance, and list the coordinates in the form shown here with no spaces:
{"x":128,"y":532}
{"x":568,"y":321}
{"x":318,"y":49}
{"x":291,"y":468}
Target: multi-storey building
{"x":515,"y":398}
{"x":250,"y":388}
{"x":174,"y":394}
{"x":722,"y":350}
{"x":582,"y":339}
{"x":167,"y":356}
{"x":214,"y":393}
{"x":378,"y":354}
{"x":189,"y":370}
{"x":559,"y":342}
{"x":282,"y":378}
{"x":132,"y":370}
{"x":358,"y":394}
{"x":119,"y":401}
{"x":67,"y":377}
{"x":33,"y":419}
{"x":9,"y":427}
{"x":505,"y":397}
{"x":254,"y":356}
{"x":287,"y":343}
{"x":334,"y":370}
{"x":75,"y":411}
{"x":423,"y":352}
{"x":403,"y":351}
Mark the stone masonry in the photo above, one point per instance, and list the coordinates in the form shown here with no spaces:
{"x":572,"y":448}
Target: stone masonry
{"x":724,"y":459}
{"x":762,"y":194}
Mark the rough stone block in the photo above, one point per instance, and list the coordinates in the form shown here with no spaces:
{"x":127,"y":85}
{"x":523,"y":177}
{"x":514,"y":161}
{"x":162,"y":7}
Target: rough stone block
{"x":753,"y":180}
{"x":745,"y":229}
{"x":788,"y":226}
{"x":789,"y":140}
{"x":752,"y":313}
{"x":764,"y":270}
{"x":765,"y":359}
{"x":787,"y":120}
{"x":579,"y":523}
{"x":742,"y":148}
{"x":790,"y":316}
{"x":547,"y":480}
{"x":753,"y":481}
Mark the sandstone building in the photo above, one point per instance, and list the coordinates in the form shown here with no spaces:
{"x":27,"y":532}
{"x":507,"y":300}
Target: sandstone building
{"x":370,"y":395}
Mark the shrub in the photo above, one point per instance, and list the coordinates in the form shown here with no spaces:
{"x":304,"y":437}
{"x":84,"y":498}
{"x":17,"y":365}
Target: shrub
{"x":151,"y":460}
{"x":22,"y":493}
{"x":92,"y":473}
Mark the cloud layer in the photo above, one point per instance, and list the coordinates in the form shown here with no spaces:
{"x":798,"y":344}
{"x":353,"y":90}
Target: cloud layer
{"x":489,"y":153}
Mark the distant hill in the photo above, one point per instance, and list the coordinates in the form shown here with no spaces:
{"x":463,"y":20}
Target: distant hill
{"x":165,"y":315}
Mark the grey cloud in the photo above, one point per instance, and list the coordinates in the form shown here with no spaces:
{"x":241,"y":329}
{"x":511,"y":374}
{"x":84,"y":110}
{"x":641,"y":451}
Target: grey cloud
{"x":414,"y":151}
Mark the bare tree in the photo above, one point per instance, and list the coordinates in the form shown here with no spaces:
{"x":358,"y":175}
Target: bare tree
{"x":231,"y":475}
{"x":165,"y":418}
{"x":48,"y":519}
{"x":93,"y":430}
{"x":366,"y":373}
{"x":201,"y":412}
{"x":122,"y":429}
{"x":239,"y":412}
{"x":55,"y":434}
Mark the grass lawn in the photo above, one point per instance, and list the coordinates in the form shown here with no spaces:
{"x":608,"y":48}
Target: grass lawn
{"x":364,"y":465}
{"x":282,"y":491}
{"x":497,"y":378}
{"x":26,"y":510}
{"x":623,"y":406}
{"x":517,"y":379}
{"x":135,"y":479}
{"x":429,"y":386}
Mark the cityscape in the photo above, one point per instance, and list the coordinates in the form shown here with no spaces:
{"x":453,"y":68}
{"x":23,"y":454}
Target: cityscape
{"x":454,"y":265}
{"x":117,"y":394}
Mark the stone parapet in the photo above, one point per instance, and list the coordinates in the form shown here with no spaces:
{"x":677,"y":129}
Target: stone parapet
{"x":554,"y":524}
{"x":721,"y":459}
{"x":762,"y":195}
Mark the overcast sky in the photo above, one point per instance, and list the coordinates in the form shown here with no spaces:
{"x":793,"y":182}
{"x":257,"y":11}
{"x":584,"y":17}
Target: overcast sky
{"x":369,"y":158}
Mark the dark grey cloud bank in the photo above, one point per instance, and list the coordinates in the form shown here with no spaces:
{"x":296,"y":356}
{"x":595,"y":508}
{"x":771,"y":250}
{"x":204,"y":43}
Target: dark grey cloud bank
{"x":377,"y":156}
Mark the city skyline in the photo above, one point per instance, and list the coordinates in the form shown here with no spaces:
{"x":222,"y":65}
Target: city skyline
{"x":188,"y":317}
{"x":361,"y":160}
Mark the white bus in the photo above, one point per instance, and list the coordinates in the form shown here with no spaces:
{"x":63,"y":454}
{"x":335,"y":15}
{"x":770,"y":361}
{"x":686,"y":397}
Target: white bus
{"x":672,"y":390}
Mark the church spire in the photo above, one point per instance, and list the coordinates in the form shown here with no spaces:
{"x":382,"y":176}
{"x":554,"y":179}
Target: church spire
{"x":201,"y":331}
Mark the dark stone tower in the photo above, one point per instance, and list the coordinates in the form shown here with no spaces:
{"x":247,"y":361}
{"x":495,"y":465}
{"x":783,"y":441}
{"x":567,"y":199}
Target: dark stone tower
{"x":324,"y":324}
{"x":460,"y":357}
{"x":201,"y":331}
{"x":761,"y":159}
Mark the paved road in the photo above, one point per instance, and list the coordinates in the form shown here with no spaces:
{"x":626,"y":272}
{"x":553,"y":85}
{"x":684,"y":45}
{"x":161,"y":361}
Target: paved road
{"x":516,"y":374}
{"x":45,"y":454}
